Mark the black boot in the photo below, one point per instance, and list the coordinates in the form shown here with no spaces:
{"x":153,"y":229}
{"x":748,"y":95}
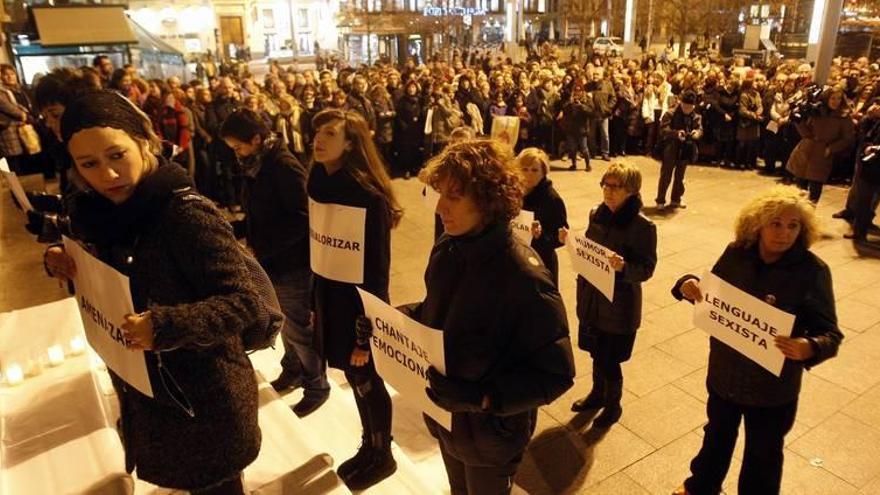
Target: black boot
{"x":376,"y":465}
{"x":347,"y":468}
{"x":612,"y":410}
{"x":596,"y":398}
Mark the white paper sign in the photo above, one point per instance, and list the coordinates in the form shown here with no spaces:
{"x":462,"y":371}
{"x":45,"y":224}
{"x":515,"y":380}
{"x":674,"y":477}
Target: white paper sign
{"x":522,"y":226}
{"x":15,"y":185}
{"x":590,"y":260}
{"x":402,"y":350}
{"x":742,"y":321}
{"x":505,"y":129}
{"x":336,"y":235}
{"x":104,"y":298}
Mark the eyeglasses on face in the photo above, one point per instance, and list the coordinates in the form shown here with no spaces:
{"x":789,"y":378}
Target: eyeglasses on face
{"x":613,"y":187}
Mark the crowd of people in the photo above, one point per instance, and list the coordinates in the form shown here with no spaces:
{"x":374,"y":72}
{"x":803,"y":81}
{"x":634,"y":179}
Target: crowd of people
{"x":265,"y":150}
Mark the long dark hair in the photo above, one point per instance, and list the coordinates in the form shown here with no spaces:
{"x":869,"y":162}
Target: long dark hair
{"x":363,"y":160}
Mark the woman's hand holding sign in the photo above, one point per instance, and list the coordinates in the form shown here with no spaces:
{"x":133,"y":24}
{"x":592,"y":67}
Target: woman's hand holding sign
{"x":796,"y":349}
{"x":536,"y":229}
{"x":563,"y":235}
{"x":691,"y":290}
{"x":138,"y":330}
{"x":59,"y":264}
{"x":617,"y":262}
{"x":363,"y":330}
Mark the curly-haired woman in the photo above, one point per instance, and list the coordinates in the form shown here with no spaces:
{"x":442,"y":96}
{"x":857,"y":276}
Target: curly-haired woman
{"x":769,"y":259}
{"x":504,"y":324}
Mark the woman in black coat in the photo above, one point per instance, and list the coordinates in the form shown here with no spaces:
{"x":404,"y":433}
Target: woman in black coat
{"x":542,"y":199}
{"x":607,"y":329}
{"x":349,"y":171}
{"x":190,"y":288}
{"x":505,"y":331}
{"x":769,"y":259}
{"x":409,"y":130}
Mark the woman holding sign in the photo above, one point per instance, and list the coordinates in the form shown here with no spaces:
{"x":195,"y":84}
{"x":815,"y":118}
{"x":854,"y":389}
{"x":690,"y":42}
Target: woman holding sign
{"x":191,"y":288}
{"x":348,"y":185}
{"x":504,"y":327}
{"x":549,"y":209}
{"x":770,"y":260}
{"x":607,"y":329}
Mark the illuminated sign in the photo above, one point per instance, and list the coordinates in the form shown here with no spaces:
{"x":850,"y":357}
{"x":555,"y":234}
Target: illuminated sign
{"x":433,"y":11}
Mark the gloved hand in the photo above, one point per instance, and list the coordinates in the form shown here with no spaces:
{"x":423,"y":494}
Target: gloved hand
{"x":36,"y":220}
{"x":454,"y":395}
{"x":363,"y":330}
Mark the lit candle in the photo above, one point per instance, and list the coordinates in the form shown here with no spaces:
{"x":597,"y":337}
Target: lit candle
{"x":14,"y":375}
{"x":56,"y":355}
{"x":77,"y":346}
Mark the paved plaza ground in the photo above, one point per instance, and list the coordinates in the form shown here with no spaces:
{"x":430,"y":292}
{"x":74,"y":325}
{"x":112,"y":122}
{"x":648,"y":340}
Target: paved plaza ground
{"x":834,"y":447}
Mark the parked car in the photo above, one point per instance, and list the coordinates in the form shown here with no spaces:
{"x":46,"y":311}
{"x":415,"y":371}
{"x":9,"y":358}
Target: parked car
{"x":610,"y":46}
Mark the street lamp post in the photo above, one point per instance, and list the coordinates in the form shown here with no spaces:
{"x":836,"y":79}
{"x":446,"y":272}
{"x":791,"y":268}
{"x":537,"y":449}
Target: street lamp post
{"x":293,"y":43}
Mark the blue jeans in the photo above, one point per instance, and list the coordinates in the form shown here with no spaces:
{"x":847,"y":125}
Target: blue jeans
{"x":298,"y":335}
{"x":575,"y":143}
{"x":602,"y":125}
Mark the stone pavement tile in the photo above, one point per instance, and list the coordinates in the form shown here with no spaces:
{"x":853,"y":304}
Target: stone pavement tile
{"x":872,"y":488}
{"x":848,"y":448}
{"x":694,"y":259}
{"x":857,"y":315}
{"x":866,"y":408}
{"x":663,"y":415}
{"x":650,"y":335}
{"x":652,"y":370}
{"x":617,"y":484}
{"x":869,"y":295}
{"x":577,"y":461}
{"x":691,"y":347}
{"x":855,"y":275}
{"x":694,"y":384}
{"x":798,"y":478}
{"x":820,"y":399}
{"x":547,"y":428}
{"x":666,"y":469}
{"x":678,"y":317}
{"x":857,"y":364}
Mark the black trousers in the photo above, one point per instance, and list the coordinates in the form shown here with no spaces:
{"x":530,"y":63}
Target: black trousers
{"x":813,"y":186}
{"x":671,"y":171}
{"x":233,"y":486}
{"x":468,"y":479}
{"x":766,"y":428}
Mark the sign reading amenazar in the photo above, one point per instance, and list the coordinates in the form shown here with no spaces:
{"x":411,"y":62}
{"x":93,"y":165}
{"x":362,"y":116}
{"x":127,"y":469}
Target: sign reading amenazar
{"x":590,"y":260}
{"x":402,"y":350}
{"x":522,"y":226}
{"x":104,"y":298}
{"x":742,"y":321}
{"x":336,"y":241}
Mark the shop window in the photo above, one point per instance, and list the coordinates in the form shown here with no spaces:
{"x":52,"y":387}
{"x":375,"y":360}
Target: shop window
{"x":302,"y":18}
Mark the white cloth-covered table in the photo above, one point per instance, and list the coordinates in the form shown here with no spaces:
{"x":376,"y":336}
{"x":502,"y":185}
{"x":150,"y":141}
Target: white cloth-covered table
{"x":57,"y":429}
{"x":56,"y":435}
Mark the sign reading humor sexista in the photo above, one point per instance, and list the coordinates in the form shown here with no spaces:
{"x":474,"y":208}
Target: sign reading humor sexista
{"x":336,"y":241}
{"x":590,"y":260}
{"x":743,"y":322}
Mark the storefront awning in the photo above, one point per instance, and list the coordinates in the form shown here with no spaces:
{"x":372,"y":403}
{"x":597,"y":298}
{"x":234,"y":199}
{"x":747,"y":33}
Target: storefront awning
{"x":83,"y":25}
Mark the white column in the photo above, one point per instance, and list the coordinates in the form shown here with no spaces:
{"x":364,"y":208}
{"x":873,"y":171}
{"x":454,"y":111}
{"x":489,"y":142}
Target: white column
{"x":630,"y":49}
{"x":820,"y":48}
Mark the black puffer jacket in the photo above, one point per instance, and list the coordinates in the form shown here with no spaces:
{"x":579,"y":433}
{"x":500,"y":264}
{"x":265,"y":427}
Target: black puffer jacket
{"x":277,"y":209}
{"x":337,"y":304}
{"x":799,"y":283}
{"x":185,"y":267}
{"x":505,"y":327}
{"x":549,"y":209}
{"x":634,"y":237}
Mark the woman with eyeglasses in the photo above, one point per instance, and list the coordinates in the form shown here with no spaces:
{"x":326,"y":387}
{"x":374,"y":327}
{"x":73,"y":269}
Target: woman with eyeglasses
{"x":607,"y":329}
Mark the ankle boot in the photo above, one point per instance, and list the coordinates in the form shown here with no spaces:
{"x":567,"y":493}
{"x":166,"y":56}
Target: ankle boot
{"x":612,"y":410}
{"x":377,"y":464}
{"x":596,"y":398}
{"x":350,"y":466}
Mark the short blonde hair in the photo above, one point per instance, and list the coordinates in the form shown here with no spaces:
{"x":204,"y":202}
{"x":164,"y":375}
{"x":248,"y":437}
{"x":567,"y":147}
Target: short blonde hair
{"x":532,"y":156}
{"x":629,"y":176}
{"x":761,"y":210}
{"x":484,"y":170}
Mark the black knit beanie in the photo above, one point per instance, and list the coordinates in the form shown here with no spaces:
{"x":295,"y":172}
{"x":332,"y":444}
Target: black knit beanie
{"x":102,"y":109}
